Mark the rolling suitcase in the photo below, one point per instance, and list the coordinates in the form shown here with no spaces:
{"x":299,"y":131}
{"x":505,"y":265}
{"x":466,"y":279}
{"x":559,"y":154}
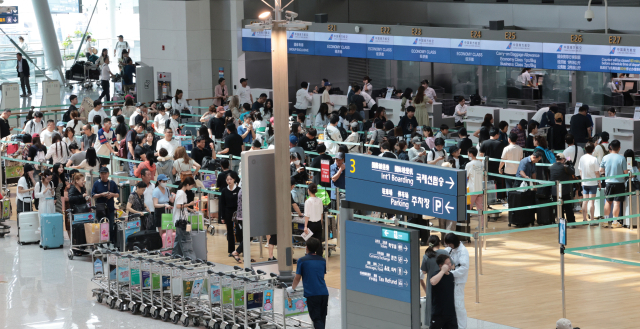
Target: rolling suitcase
{"x":149,"y":240}
{"x":168,"y":238}
{"x":51,"y":231}
{"x":546,"y":215}
{"x":521,"y":199}
{"x":28,"y":223}
{"x":599,"y":204}
{"x":125,"y":191}
{"x":199,"y":243}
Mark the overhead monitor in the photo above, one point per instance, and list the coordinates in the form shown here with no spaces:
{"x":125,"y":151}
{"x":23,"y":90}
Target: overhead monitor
{"x":64,"y":6}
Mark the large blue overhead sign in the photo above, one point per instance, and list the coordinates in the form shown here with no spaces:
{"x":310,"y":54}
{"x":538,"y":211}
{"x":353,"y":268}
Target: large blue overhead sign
{"x":379,"y":265}
{"x":9,"y":15}
{"x":406,"y":186}
{"x":553,"y":56}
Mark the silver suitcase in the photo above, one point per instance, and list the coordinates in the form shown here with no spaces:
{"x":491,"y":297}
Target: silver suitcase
{"x":28,"y":223}
{"x":199,"y":243}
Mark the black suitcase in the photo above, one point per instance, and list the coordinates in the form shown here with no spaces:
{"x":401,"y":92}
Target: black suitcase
{"x":149,"y":240}
{"x":546,"y":215}
{"x":519,"y":199}
{"x":79,"y":236}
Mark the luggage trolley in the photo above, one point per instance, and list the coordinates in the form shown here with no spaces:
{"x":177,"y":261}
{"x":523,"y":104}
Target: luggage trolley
{"x":176,"y":290}
{"x":161,"y":281}
{"x":146,"y":282}
{"x":192,"y":284}
{"x":84,"y":249}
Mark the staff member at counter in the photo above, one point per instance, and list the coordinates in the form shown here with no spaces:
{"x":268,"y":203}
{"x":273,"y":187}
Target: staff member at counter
{"x":525,"y":77}
{"x":303,"y":99}
{"x":366,"y":85}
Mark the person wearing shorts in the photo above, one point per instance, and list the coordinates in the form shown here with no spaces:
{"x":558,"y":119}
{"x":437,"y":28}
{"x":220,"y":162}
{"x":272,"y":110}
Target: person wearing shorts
{"x":613,"y":164}
{"x":589,"y":168}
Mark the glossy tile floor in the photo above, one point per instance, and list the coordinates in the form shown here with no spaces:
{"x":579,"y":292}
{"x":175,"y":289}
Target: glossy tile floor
{"x":45,"y":290}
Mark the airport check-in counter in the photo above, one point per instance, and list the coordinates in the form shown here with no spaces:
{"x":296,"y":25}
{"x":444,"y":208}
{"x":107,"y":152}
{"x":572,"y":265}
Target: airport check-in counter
{"x":513,"y":116}
{"x":626,"y":130}
{"x":475,"y":117}
{"x":597,"y":123}
{"x":437,"y":118}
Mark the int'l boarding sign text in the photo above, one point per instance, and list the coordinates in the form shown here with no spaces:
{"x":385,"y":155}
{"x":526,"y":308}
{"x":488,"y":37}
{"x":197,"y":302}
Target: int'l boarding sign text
{"x":405,"y":175}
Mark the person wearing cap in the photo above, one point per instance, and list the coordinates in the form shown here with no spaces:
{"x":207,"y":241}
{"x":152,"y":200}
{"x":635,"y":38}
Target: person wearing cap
{"x":417,"y":153}
{"x":454,"y":154}
{"x":140,"y":115}
{"x":105,"y":141}
{"x":216,"y":124}
{"x":104,"y":191}
{"x":293,"y":147}
{"x":336,"y":171}
{"x":560,"y":171}
{"x":35,"y":125}
{"x":105,"y":75}
{"x":520,"y":129}
{"x":121,"y":46}
{"x":162,"y":199}
{"x":161,"y":118}
{"x":201,"y":150}
{"x":97,"y":110}
{"x":326,"y":99}
{"x":25,"y":189}
{"x":437,"y":155}
{"x":244,"y":92}
{"x":60,"y":125}
{"x":409,"y":123}
{"x":579,"y":126}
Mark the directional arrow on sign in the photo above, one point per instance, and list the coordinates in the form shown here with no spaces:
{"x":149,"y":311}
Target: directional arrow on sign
{"x":406,"y":260}
{"x":451,"y":183}
{"x":405,"y":248}
{"x":405,"y":272}
{"x":448,"y":207}
{"x":386,"y":233}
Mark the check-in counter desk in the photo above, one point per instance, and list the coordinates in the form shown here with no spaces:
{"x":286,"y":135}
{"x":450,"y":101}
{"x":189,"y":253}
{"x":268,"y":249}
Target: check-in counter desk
{"x":626,"y":130}
{"x":597,"y":123}
{"x":255,"y":93}
{"x":513,"y":116}
{"x":475,"y":117}
{"x":393,"y":109}
{"x":338,"y":101}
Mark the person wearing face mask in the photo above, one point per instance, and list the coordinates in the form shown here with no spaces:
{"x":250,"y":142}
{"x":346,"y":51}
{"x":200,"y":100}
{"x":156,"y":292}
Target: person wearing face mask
{"x":162,"y":199}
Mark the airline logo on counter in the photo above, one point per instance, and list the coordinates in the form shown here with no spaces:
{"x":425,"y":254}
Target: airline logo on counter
{"x":519,"y":46}
{"x":469,"y":44}
{"x":337,"y":37}
{"x":300,"y":35}
{"x":623,"y":51}
{"x":569,"y":48}
{"x":381,"y":39}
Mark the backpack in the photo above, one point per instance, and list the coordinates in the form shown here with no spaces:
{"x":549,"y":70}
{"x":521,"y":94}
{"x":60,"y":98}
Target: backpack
{"x":604,"y":150}
{"x":433,"y":154}
{"x":343,"y":133}
{"x":208,"y":163}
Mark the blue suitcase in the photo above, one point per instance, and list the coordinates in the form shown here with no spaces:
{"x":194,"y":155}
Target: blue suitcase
{"x":52,"y":227}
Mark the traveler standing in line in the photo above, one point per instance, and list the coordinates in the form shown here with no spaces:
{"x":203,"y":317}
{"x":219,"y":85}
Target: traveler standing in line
{"x":533,"y":132}
{"x":559,"y":171}
{"x":105,"y":141}
{"x":503,"y":126}
{"x":417,"y":153}
{"x":23,"y":70}
{"x":613,"y":164}
{"x":474,"y":170}
{"x":519,"y":129}
{"x":233,"y":146}
{"x":602,"y":148}
{"x":580,"y":126}
{"x":574,"y":153}
{"x":444,"y":313}
{"x":311,"y":270}
{"x":512,"y":152}
{"x":336,"y":170}
{"x":73,"y":99}
{"x":162,"y":198}
{"x":183,"y":244}
{"x":430,"y":268}
{"x":326,"y":99}
{"x":26,"y":185}
{"x":35,"y":125}
{"x":244,"y":93}
{"x":44,"y":192}
{"x":420,"y":103}
{"x":483,"y":133}
{"x":589,"y":167}
{"x":313,"y":210}
{"x":221,"y":93}
{"x":332,"y":134}
{"x":104,"y":81}
{"x":104,"y":191}
{"x":460,"y":259}
{"x":228,"y":206}
{"x":557,"y":133}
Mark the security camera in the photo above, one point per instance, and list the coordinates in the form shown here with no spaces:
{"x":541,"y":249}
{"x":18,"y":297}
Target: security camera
{"x":290,"y":14}
{"x":588,"y":15}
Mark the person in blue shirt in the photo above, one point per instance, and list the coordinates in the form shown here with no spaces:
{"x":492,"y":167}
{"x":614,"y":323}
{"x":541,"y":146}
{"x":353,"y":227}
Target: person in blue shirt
{"x":613,"y":164}
{"x":527,"y":167}
{"x":337,"y":174}
{"x":104,"y":191}
{"x":127,"y":75}
{"x":311,"y":270}
{"x":245,"y":130}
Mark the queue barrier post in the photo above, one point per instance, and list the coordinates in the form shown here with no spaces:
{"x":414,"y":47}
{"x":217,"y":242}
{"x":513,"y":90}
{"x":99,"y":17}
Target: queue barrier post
{"x":485,"y":206}
{"x":564,"y":308}
{"x":560,"y":201}
{"x":326,"y":237}
{"x":338,"y":209}
{"x":475,"y":242}
{"x":91,"y":180}
{"x":637,"y":218}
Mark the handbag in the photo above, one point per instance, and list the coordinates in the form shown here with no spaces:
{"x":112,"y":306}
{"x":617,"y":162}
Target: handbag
{"x":104,"y":230}
{"x":80,"y":208}
{"x":92,"y":232}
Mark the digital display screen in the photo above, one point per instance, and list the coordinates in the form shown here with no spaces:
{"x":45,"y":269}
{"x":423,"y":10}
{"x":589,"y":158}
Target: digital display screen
{"x":64,"y":6}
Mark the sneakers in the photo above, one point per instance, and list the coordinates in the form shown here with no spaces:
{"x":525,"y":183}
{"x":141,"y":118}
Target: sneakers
{"x":29,"y":95}
{"x":577,"y":208}
{"x":23,"y":95}
{"x":616,"y":224}
{"x":272,"y":258}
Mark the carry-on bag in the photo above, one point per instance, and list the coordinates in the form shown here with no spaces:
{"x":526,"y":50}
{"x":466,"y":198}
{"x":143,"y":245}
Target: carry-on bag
{"x":104,"y":230}
{"x":92,"y":232}
{"x":521,"y":199}
{"x":78,"y":236}
{"x":546,"y":215}
{"x":125,"y":191}
{"x":197,"y":221}
{"x":28,"y":223}
{"x":149,"y":240}
{"x":167,"y":222}
{"x":168,"y":238}
{"x":51,"y":230}
{"x":199,"y":243}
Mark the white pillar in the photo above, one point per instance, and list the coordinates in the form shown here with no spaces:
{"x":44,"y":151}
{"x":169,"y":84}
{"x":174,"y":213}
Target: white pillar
{"x":49,"y":40}
{"x":112,"y":26}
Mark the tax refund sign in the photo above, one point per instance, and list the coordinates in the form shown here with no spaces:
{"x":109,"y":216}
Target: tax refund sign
{"x":406,"y":186}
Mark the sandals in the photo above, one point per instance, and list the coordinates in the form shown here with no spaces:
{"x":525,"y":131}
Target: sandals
{"x":236,"y":257}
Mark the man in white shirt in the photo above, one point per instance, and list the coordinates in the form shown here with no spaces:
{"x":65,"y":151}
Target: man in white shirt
{"x":120,"y":46}
{"x":303,"y":99}
{"x":45,"y":135}
{"x":105,"y":141}
{"x":142,"y":110}
{"x":244,"y":92}
{"x":161,"y":118}
{"x":512,"y":152}
{"x":326,"y":98}
{"x":538,"y":116}
{"x":97,"y":109}
{"x":474,"y":170}
{"x":35,"y":125}
{"x":332,"y":134}
{"x":437,"y":156}
{"x":428,"y":91}
{"x":167,"y":143}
